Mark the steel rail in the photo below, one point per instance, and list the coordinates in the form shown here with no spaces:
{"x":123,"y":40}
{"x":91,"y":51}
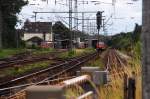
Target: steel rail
{"x":25,"y":60}
{"x":64,"y":67}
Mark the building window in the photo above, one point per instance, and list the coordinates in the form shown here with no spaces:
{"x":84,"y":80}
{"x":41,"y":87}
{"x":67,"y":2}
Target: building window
{"x":36,"y":30}
{"x":26,"y":29}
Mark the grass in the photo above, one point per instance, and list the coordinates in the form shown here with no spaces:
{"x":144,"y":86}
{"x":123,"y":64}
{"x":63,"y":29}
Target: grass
{"x":75,"y":53}
{"x":9,"y":52}
{"x":115,"y":88}
{"x":4,"y":53}
{"x":96,"y":63}
{"x":43,"y":50}
{"x":74,"y":92}
{"x":12,"y":71}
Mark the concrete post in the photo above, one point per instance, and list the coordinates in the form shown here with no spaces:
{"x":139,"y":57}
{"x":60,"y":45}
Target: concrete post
{"x":125,"y":86}
{"x":131,"y":88}
{"x":56,"y":91}
{"x":45,"y":92}
{"x":146,"y":50}
{"x":98,"y":78}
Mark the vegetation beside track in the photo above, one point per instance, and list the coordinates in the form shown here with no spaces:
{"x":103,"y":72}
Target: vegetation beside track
{"x":98,"y":62}
{"x":16,"y":70}
{"x":4,"y":53}
{"x":21,"y":69}
{"x":9,"y":52}
{"x":115,"y":87}
{"x":43,"y":51}
{"x":76,"y":53}
{"x":128,"y":43}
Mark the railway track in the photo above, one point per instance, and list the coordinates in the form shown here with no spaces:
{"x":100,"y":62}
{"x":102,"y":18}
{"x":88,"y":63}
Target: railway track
{"x":26,"y":58}
{"x":54,"y":71}
{"x":114,"y":63}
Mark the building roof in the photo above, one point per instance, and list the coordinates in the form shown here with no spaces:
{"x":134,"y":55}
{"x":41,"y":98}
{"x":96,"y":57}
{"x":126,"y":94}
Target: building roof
{"x":37,"y":27}
{"x":35,"y":39}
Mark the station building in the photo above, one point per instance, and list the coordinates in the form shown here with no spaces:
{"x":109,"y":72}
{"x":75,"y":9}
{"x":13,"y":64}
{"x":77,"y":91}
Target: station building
{"x":38,"y":33}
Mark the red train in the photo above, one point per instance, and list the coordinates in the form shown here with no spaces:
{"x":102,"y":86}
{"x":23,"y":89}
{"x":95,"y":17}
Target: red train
{"x":101,"y":46}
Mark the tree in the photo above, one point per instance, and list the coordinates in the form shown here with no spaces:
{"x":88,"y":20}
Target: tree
{"x":9,"y":9}
{"x":61,"y":30}
{"x":136,"y":33}
{"x":0,"y":28}
{"x":64,"y":33}
{"x":121,"y":41}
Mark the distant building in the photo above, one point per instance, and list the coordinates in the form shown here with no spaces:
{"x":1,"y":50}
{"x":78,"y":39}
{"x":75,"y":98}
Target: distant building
{"x":37,"y":32}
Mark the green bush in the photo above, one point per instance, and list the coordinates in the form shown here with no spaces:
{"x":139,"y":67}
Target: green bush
{"x":9,"y":52}
{"x":137,"y":50}
{"x":71,"y":53}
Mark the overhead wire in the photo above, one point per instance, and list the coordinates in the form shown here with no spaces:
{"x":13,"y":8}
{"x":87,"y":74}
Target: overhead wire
{"x":63,"y":5}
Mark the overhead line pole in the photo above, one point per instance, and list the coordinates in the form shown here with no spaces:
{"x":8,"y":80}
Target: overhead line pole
{"x":76,"y":14}
{"x":70,"y":22}
{"x":76,"y":18}
{"x":82,"y":22}
{"x":62,"y":12}
{"x":70,"y":18}
{"x":35,"y":16}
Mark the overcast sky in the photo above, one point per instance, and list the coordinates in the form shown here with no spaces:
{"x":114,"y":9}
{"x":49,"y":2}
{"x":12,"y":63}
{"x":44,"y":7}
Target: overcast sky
{"x":123,"y":15}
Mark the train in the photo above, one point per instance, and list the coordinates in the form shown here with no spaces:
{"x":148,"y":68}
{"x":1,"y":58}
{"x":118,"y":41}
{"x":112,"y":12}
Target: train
{"x":101,"y":46}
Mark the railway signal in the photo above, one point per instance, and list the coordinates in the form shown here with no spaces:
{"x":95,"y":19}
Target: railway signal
{"x":99,"y":19}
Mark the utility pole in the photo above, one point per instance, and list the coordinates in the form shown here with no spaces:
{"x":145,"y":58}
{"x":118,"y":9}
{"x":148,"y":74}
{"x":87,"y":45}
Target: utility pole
{"x":1,"y":27}
{"x":70,"y":22}
{"x":70,"y":18}
{"x":88,"y":32}
{"x":76,"y":14}
{"x":75,"y":18}
{"x":82,"y":22}
{"x":146,"y":50}
{"x":87,"y":26}
{"x":35,"y":16}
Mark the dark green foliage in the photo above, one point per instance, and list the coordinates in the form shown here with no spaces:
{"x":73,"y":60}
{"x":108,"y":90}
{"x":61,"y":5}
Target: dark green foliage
{"x":121,"y":41}
{"x":129,"y":42}
{"x":136,"y":33}
{"x":62,"y":32}
{"x":71,"y":53}
{"x":126,"y":40}
{"x":9,"y":10}
{"x":137,"y":50}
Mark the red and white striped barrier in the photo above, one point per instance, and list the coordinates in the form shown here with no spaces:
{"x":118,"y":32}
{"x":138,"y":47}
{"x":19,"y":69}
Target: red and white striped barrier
{"x":77,"y":80}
